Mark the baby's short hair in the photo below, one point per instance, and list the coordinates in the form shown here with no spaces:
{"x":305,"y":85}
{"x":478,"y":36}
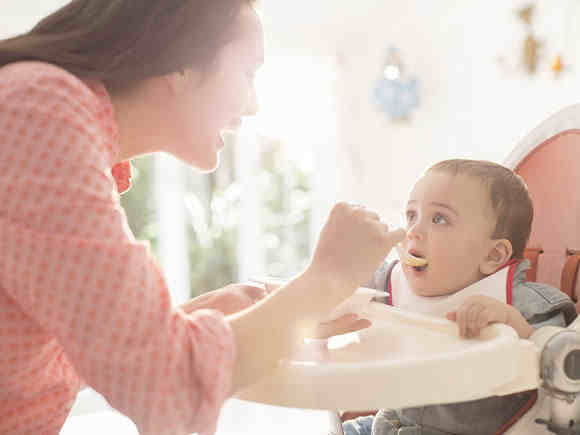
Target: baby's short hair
{"x":508,"y":194}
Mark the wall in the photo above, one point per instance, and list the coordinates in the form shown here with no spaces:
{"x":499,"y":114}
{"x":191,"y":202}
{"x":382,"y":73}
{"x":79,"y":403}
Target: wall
{"x":472,"y":106}
{"x":19,"y":16}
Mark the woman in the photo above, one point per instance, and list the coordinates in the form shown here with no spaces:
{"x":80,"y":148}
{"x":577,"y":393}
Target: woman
{"x":91,"y":86}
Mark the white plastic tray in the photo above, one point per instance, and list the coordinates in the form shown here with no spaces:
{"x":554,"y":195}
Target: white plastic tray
{"x":404,"y":359}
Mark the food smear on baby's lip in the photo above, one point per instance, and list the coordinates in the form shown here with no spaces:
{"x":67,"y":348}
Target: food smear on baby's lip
{"x":409,"y":259}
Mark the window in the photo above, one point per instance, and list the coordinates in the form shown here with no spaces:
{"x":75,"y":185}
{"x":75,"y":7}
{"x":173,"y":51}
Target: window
{"x":260,"y":212}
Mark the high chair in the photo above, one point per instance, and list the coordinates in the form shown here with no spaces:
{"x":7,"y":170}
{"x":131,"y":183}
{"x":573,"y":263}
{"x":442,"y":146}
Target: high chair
{"x":548,"y":160}
{"x":407,"y":359}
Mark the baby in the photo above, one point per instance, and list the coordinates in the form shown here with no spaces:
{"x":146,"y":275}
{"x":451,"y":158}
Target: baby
{"x":469,"y":222}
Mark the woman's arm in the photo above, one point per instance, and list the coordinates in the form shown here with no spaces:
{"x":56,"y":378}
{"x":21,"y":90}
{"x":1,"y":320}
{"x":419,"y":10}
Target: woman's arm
{"x":228,"y":300}
{"x":273,"y":327}
{"x":99,"y":304}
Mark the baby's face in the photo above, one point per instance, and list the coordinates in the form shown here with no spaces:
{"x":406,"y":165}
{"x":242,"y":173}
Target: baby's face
{"x":449,"y":223}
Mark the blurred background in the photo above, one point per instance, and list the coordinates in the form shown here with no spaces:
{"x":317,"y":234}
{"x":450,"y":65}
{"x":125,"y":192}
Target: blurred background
{"x":356,"y":99}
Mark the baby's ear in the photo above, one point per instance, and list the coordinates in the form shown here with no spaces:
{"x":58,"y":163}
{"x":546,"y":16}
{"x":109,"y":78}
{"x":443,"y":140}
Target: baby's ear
{"x":498,"y":255}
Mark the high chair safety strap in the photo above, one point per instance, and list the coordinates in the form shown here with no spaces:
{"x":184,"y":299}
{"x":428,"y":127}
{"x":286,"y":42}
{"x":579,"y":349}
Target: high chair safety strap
{"x":570,"y":276}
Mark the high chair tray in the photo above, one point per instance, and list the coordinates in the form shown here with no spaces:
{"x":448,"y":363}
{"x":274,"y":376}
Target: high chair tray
{"x":404,"y":359}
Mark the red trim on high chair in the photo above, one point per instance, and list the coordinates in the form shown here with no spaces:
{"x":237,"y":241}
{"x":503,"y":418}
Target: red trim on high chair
{"x":570,"y":276}
{"x":513,"y":265}
{"x":527,"y":406}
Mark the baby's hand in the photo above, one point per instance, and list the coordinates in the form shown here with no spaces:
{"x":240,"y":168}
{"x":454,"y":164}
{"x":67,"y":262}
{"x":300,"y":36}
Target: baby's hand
{"x":478,"y":311}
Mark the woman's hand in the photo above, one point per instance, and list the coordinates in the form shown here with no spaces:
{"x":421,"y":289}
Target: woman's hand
{"x":352,"y":244}
{"x":478,"y":311}
{"x":349,"y":322}
{"x":346,"y":323}
{"x":229,"y":299}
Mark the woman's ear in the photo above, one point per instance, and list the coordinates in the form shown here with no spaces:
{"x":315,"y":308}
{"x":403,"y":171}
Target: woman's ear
{"x":179,"y":82}
{"x":498,"y":255}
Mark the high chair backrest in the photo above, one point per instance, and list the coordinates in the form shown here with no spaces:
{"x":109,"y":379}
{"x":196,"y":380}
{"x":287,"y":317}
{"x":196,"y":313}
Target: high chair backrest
{"x":548,"y":159}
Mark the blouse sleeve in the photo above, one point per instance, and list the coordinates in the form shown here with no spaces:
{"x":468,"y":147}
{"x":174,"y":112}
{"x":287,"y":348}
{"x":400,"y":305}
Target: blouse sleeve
{"x":68,"y":258}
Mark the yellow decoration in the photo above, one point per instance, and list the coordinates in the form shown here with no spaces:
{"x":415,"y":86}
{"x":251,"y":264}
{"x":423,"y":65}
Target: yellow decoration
{"x":526,"y":13}
{"x":557,"y":65}
{"x":530,"y":53}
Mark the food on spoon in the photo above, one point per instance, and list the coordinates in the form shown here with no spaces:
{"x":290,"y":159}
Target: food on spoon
{"x":410,"y":259}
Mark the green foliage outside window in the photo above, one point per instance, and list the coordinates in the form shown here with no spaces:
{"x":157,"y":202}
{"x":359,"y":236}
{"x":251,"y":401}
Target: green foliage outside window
{"x":139,"y":202}
{"x":213,"y":205}
{"x":286,"y":205}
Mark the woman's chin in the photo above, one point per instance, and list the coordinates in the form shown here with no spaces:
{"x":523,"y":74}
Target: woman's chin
{"x":208,"y":165}
{"x":208,"y":162}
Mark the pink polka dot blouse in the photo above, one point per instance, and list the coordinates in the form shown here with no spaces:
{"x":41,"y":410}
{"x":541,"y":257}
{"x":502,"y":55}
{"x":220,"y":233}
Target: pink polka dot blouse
{"x":81,"y":301}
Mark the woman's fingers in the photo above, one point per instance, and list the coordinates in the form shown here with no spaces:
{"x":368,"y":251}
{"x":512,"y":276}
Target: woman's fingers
{"x":352,"y":244}
{"x":393,"y":237}
{"x":341,"y":325}
{"x":255,"y":293}
{"x":268,"y":284}
{"x":229,"y":299}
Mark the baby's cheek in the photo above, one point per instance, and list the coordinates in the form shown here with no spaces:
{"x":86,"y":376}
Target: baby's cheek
{"x":456,"y":271}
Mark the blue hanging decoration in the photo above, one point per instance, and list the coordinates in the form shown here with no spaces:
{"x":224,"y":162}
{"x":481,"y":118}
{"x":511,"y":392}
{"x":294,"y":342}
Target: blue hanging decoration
{"x":395,"y":92}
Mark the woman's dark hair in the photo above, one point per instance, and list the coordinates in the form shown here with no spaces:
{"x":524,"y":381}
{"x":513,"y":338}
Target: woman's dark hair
{"x":121,"y":42}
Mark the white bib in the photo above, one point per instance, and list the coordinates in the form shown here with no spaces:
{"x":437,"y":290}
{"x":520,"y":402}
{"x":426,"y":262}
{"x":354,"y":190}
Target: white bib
{"x":495,"y":286}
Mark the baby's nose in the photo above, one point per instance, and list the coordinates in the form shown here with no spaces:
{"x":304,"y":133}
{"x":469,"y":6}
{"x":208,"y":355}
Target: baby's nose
{"x":415,"y":231}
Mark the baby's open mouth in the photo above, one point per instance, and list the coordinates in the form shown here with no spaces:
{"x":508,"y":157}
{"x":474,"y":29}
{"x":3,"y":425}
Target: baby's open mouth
{"x":420,"y":268}
{"x":416,"y":261}
{"x":412,"y":258}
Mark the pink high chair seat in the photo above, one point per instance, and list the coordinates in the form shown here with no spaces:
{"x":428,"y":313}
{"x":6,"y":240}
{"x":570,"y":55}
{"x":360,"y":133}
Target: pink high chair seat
{"x":548,"y":159}
{"x":569,"y":282}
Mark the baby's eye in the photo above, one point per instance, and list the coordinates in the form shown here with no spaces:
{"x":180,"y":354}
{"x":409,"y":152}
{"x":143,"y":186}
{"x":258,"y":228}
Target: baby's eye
{"x":439,"y":219}
{"x":410,"y":214}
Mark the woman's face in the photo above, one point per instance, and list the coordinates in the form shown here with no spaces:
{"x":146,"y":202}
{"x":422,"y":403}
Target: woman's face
{"x":213,"y":102}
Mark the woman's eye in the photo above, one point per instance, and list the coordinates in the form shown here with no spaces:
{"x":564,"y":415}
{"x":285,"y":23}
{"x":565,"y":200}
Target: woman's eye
{"x":439,"y":219}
